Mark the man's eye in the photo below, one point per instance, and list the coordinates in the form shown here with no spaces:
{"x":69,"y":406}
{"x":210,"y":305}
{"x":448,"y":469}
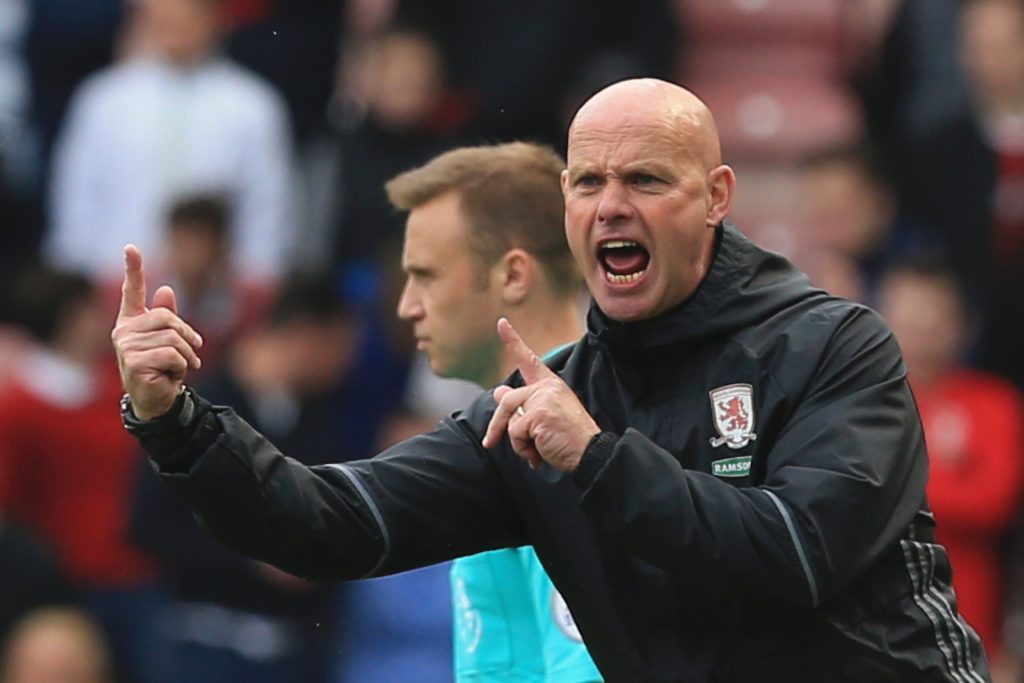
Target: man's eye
{"x":644,"y":179}
{"x":588,"y":181}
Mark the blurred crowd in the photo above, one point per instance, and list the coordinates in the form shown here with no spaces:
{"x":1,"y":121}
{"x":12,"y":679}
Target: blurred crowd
{"x":244,"y":146}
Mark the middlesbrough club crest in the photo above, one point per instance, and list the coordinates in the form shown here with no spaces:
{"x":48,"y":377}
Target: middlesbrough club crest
{"x":733,"y":409}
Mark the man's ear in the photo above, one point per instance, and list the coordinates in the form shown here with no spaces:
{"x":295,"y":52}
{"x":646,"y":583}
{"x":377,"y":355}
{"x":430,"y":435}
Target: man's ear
{"x":721,"y":186}
{"x":515,"y":273}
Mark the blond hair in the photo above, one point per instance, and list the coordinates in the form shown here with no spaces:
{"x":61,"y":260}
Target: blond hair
{"x":510,"y":196}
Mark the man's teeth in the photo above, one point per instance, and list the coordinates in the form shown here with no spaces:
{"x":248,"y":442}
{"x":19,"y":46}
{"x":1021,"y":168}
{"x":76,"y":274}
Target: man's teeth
{"x":621,"y":279}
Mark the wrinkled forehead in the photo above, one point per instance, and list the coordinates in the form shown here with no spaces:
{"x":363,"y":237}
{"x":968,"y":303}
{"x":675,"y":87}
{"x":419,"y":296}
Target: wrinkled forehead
{"x":623,"y":140}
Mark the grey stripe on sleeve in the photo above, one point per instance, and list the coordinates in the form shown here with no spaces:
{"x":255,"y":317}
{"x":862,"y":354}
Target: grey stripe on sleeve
{"x":788,"y":519}
{"x":954,"y":626}
{"x":364,"y":493}
{"x":927,"y":607}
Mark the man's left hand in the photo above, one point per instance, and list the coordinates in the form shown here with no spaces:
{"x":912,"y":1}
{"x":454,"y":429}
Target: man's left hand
{"x":544,"y":418}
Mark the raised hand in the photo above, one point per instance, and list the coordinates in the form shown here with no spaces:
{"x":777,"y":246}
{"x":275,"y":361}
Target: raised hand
{"x":544,"y":418}
{"x":155,"y":348}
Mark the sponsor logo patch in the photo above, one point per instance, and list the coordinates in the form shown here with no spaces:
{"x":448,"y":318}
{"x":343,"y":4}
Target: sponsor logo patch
{"x":731,"y":467}
{"x":733,"y":409}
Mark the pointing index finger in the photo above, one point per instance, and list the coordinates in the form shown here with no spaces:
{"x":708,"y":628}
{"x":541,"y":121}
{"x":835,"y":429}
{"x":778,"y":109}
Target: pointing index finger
{"x":133,"y":290}
{"x":529,"y":364}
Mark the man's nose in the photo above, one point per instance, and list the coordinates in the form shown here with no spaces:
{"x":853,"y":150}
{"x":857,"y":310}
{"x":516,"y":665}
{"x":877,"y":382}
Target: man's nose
{"x":409,"y":306}
{"x":615,"y":202}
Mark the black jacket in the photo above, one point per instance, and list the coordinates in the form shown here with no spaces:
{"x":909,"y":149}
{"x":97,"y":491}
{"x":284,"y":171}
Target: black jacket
{"x":753,"y":511}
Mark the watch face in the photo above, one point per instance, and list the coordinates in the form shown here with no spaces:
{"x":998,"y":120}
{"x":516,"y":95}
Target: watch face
{"x":188,"y":407}
{"x":128,"y":418}
{"x":181,"y":414}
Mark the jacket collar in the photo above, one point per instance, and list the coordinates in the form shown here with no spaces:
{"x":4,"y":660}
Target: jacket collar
{"x":745,"y":284}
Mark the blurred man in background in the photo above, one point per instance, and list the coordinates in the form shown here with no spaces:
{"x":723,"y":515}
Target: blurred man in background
{"x":198,"y":264}
{"x":57,"y":645}
{"x":966,"y":179}
{"x":391,"y":120}
{"x":66,"y":468}
{"x":974,"y":424}
{"x":484,"y":239}
{"x":851,"y":207}
{"x":849,"y":219}
{"x":174,"y":118}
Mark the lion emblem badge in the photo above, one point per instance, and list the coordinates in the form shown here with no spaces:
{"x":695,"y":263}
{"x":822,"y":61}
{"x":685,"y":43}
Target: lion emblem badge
{"x":733,"y":409}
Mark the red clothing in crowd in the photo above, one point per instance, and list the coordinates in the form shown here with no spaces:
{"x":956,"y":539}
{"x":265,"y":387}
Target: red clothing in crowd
{"x":974,"y":426}
{"x":67,"y":468}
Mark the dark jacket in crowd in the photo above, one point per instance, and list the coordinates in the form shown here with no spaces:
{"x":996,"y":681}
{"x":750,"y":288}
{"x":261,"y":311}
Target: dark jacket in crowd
{"x":950,"y":181}
{"x":753,"y":510}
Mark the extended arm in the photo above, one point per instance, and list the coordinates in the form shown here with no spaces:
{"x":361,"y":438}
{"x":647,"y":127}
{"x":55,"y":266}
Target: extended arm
{"x":428,"y":499}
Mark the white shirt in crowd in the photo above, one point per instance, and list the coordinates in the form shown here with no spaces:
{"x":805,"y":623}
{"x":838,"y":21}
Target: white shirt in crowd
{"x":143,"y":133}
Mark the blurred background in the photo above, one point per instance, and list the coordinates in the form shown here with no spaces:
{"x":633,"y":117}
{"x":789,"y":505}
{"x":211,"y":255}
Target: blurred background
{"x":243,"y":145}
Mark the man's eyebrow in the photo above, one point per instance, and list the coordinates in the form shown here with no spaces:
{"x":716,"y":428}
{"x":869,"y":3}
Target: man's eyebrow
{"x":581,"y":170}
{"x":657,"y":168}
{"x":413,"y":269}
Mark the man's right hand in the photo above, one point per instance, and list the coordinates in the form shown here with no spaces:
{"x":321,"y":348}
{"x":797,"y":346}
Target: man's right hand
{"x":155,"y":348}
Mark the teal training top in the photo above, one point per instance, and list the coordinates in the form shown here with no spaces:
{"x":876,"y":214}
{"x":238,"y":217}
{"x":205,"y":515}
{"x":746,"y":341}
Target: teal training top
{"x":511,"y":625}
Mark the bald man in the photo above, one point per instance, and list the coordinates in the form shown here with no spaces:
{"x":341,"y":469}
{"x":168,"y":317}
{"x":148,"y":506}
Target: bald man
{"x":724,"y":477}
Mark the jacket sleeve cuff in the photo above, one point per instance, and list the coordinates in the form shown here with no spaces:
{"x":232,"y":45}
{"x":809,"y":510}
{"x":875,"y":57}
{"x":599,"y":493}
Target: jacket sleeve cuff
{"x":177,"y":438}
{"x":595,"y":457}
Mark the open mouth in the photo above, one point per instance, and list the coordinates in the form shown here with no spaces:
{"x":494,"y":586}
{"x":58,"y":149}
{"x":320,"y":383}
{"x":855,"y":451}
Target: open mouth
{"x":623,"y":260}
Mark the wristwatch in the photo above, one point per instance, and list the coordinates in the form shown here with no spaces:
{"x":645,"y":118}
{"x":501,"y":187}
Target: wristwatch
{"x":179,"y":416}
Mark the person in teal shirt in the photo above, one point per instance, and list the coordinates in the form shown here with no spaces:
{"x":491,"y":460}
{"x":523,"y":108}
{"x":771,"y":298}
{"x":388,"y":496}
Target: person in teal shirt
{"x":484,"y":239}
